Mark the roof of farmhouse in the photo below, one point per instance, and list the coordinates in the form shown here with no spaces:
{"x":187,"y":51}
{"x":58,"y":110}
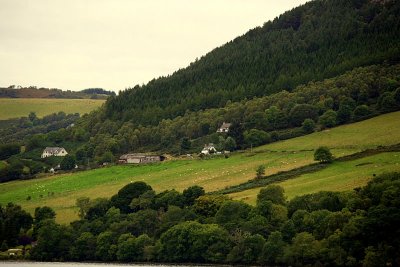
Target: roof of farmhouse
{"x":53,"y":149}
{"x":136,"y":155}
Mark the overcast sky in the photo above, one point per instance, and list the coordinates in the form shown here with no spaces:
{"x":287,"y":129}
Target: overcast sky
{"x":115,"y":44}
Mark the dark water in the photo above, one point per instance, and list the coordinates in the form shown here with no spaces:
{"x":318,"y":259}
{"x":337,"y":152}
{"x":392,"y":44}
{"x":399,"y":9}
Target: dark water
{"x":76,"y":264}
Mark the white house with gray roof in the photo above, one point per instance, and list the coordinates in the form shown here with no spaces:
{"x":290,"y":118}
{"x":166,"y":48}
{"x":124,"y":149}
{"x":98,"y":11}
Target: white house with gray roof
{"x":208,"y":149}
{"x":224,"y":127}
{"x":54,"y":151}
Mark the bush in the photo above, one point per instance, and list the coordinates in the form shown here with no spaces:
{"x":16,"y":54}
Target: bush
{"x":260,"y":171}
{"x":107,"y":157}
{"x":387,"y":102}
{"x":130,"y":191}
{"x":7,"y":150}
{"x":323,"y":155}
{"x":301,"y":112}
{"x":361,"y":112}
{"x":308,"y":126}
{"x":274,"y":136}
{"x":68,"y":163}
{"x":256,"y":137}
{"x":344,"y":114}
{"x":328,"y":119}
{"x":290,"y":133}
{"x":230,"y":144}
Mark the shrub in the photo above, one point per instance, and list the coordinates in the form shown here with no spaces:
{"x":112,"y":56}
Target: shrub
{"x":256,"y":137}
{"x":323,"y":155}
{"x":260,"y":171}
{"x":308,"y":126}
{"x":328,"y":119}
{"x":361,"y":111}
{"x":68,"y":163}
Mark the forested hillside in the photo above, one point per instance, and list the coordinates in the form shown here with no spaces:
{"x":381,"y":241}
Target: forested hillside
{"x":318,"y":40}
{"x":271,"y":84}
{"x":354,"y":96}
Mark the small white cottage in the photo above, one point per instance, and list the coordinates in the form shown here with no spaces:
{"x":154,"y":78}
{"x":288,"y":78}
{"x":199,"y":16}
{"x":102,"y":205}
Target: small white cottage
{"x":54,"y":151}
{"x":208,"y":149}
{"x":224,"y":127}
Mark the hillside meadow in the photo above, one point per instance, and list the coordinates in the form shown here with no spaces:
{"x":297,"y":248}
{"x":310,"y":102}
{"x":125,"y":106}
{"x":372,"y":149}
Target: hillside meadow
{"x":339,"y":176}
{"x":21,"y":107}
{"x":347,"y":139}
{"x":61,"y":191}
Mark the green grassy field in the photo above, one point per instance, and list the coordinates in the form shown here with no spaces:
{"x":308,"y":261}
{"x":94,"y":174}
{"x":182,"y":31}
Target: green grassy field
{"x":19,"y":107}
{"x":212,"y":174}
{"x":381,"y":130}
{"x":339,"y":176}
{"x":61,"y":191}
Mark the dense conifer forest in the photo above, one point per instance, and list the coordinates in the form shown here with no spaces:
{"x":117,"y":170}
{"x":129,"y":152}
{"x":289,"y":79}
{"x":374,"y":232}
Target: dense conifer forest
{"x":318,"y":40}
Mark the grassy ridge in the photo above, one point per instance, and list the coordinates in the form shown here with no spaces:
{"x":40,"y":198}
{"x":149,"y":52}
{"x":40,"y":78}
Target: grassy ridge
{"x":19,"y":107}
{"x":212,"y":174}
{"x":339,"y":176}
{"x":296,"y":172}
{"x":378,"y":131}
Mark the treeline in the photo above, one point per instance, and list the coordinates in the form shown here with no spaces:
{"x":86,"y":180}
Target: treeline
{"x":318,"y":40}
{"x":14,"y":91}
{"x":15,"y":130}
{"x":137,"y":224}
{"x":97,"y":91}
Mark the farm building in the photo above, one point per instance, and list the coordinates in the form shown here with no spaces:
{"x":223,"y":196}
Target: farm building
{"x":208,"y":149}
{"x":54,"y":151}
{"x":224,"y":127}
{"x":139,"y":158}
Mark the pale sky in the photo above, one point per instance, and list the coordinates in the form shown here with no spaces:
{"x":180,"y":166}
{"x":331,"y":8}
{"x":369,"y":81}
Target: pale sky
{"x":116,"y":44}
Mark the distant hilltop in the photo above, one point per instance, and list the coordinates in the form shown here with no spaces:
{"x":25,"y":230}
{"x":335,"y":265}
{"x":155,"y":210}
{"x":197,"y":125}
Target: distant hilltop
{"x":34,"y":92}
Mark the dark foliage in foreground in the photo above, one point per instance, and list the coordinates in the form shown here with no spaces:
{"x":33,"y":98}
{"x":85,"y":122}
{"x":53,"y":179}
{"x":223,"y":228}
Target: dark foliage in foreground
{"x":326,"y":228}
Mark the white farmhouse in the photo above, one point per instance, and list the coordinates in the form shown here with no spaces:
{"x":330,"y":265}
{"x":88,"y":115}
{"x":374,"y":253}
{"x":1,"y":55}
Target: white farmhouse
{"x":54,"y":151}
{"x":208,"y":149}
{"x":224,"y":127}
